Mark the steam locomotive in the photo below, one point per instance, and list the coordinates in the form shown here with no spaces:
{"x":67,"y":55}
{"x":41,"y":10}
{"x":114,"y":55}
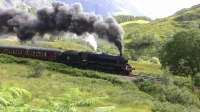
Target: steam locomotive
{"x":84,"y":60}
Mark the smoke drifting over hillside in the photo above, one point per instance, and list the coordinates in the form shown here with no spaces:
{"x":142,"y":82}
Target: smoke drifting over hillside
{"x":58,"y":18}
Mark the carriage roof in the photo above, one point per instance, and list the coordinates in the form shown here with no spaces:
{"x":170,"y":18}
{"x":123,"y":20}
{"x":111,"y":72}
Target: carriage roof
{"x":31,"y":48}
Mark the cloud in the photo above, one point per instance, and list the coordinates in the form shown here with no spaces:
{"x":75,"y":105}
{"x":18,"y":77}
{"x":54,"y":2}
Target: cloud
{"x":162,"y":8}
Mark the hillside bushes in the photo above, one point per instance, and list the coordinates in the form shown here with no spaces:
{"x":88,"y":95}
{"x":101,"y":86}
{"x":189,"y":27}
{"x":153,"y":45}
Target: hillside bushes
{"x":14,"y":99}
{"x":169,"y":91}
{"x":196,"y":80}
{"x":188,"y":17}
{"x":146,"y":45}
{"x":163,"y":29}
{"x":18,"y":100}
{"x":37,"y":70}
{"x":181,"y":55}
{"x":168,"y":107}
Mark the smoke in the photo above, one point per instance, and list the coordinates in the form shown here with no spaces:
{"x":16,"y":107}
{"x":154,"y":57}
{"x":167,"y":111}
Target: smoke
{"x":6,"y":15}
{"x":61,"y":18}
{"x":91,"y":40}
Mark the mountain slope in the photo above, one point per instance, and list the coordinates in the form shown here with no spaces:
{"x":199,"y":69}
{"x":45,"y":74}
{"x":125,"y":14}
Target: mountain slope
{"x":31,"y":85}
{"x":61,"y":88}
{"x":146,"y":39}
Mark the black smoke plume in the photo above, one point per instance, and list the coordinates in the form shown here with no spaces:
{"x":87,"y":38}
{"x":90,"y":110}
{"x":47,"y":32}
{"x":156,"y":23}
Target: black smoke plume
{"x":58,"y":18}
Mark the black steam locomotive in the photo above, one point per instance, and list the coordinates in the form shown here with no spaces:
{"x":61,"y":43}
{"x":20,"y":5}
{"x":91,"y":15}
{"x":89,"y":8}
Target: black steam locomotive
{"x":84,"y":60}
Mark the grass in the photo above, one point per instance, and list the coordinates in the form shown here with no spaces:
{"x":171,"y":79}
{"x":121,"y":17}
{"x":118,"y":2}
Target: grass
{"x":67,"y":44}
{"x":70,"y":44}
{"x":124,"y":96}
{"x":61,"y":88}
{"x":135,"y":22}
{"x":147,"y":68}
{"x":161,"y":30}
{"x":76,"y":45}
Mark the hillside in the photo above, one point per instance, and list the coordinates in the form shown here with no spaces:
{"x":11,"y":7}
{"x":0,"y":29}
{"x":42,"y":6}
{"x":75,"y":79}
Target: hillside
{"x":191,"y":14}
{"x":128,"y":18}
{"x":59,"y":87}
{"x":146,"y":39}
{"x":29,"y":85}
{"x":84,"y":90}
{"x":62,"y":88}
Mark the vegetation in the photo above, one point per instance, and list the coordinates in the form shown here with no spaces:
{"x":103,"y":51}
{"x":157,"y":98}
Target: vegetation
{"x":191,"y":14}
{"x":37,"y":71}
{"x":63,"y":87}
{"x":127,"y":18}
{"x":66,"y":43}
{"x":135,"y":21}
{"x":174,"y":94}
{"x":152,"y":36}
{"x":28,"y":85}
{"x":196,"y":80}
{"x":181,"y":55}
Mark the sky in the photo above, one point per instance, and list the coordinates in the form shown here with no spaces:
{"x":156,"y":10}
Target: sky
{"x":162,"y":8}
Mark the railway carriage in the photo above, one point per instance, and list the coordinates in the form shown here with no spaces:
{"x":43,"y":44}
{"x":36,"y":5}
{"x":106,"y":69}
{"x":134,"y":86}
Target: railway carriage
{"x":86,"y":60}
{"x":31,"y":52}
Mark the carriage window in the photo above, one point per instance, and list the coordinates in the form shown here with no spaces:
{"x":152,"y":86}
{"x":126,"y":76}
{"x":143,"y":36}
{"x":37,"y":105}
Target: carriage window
{"x":45,"y":54}
{"x":84,"y":60}
{"x":68,"y":58}
{"x":11,"y":51}
{"x":38,"y":53}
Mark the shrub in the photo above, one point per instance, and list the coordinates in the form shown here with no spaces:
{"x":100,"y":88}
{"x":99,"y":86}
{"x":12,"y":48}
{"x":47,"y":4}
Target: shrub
{"x":144,"y":45}
{"x":182,"y":96}
{"x":155,"y":60}
{"x":181,"y":55}
{"x":182,"y":81}
{"x":37,"y":71}
{"x":167,"y":107}
{"x":149,"y":87}
{"x":148,"y":60}
{"x":196,"y":80}
{"x":14,"y":97}
{"x":169,"y":92}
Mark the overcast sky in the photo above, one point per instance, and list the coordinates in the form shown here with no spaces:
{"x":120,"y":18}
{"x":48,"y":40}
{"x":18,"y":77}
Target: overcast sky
{"x":162,"y":8}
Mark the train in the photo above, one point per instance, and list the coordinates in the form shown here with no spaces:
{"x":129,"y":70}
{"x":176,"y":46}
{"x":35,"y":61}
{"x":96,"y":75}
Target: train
{"x":84,"y":60}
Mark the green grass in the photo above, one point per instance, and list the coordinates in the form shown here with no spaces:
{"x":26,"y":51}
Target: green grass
{"x":134,"y":22}
{"x":56,"y":83}
{"x":67,"y":44}
{"x":60,"y":88}
{"x":70,"y":44}
{"x":161,"y":30}
{"x":147,"y":68}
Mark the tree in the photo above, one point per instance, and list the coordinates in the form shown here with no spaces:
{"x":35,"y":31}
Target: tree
{"x":182,"y":54}
{"x":144,"y":45}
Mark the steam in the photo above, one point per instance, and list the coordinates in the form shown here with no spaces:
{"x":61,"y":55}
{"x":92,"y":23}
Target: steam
{"x":61,"y":18}
{"x":91,"y":40}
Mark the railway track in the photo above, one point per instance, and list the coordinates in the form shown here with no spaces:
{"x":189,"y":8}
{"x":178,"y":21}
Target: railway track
{"x":141,"y":78}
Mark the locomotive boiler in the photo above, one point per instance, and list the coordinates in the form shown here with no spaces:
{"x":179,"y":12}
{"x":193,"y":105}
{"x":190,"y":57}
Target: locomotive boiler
{"x":84,"y":60}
